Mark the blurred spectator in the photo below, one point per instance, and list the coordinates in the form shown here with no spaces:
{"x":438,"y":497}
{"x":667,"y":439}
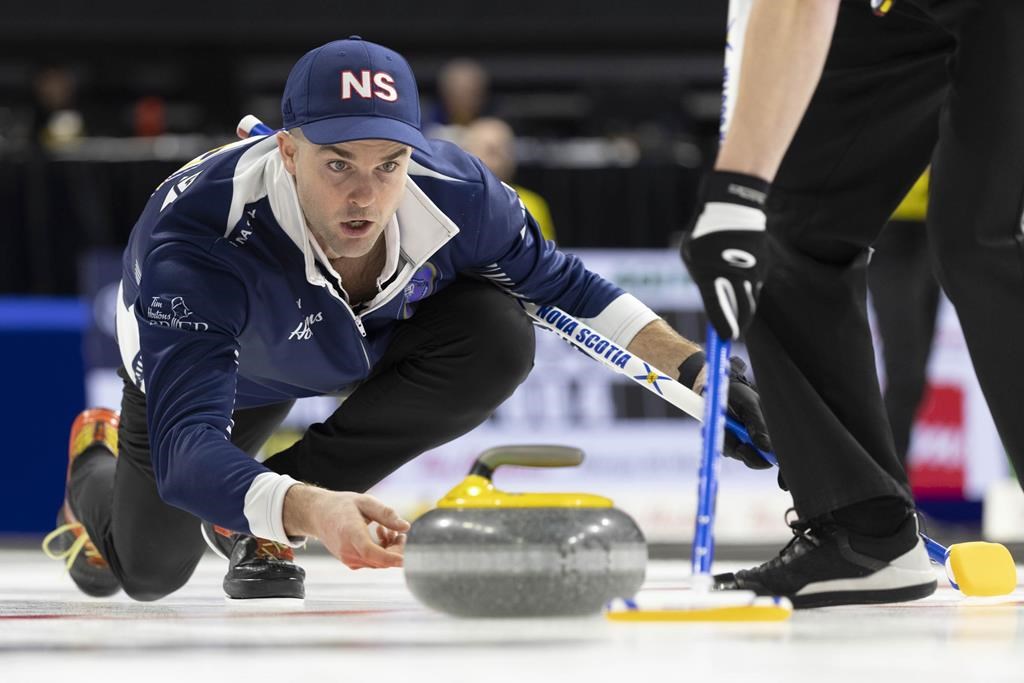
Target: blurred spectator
{"x":463,"y":89}
{"x":493,"y":141}
{"x":55,"y":118}
{"x":905,"y":296}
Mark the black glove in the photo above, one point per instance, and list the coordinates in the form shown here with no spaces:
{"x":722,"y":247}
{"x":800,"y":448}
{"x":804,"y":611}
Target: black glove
{"x":725,"y":251}
{"x":744,"y":405}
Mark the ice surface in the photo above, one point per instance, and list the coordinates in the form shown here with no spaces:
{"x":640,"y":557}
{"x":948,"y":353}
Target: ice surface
{"x":365,"y":626}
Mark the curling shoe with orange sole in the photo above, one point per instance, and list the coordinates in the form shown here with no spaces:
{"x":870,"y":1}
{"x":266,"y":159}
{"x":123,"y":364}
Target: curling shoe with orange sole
{"x":257,"y":568}
{"x":93,"y":428}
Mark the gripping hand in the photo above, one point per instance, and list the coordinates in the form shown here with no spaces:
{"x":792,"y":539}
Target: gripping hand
{"x":725,"y":251}
{"x":744,"y":404}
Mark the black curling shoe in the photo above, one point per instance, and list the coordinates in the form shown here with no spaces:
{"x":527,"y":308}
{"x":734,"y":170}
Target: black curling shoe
{"x":826,"y":565}
{"x":257,"y":568}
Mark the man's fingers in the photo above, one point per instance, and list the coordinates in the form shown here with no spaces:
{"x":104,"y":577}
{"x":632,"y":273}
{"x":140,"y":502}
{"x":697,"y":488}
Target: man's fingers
{"x":725,"y":327}
{"x":761,"y":440}
{"x":390,"y":539}
{"x":731,"y":443}
{"x":745,"y":405}
{"x":397,"y":545}
{"x":372,"y":555}
{"x":728,"y":307}
{"x":376,"y":511}
{"x":757,"y":428}
{"x":751,"y":458}
{"x":362,"y":551}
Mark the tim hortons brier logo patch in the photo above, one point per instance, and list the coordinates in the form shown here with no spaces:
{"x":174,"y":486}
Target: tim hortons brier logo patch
{"x":172,"y":311}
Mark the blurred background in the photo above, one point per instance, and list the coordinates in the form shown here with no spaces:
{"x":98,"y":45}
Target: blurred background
{"x":603,"y":119}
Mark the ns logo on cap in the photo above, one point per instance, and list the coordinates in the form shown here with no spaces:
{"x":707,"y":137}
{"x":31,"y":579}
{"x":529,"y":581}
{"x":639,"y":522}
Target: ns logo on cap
{"x":368,"y":85}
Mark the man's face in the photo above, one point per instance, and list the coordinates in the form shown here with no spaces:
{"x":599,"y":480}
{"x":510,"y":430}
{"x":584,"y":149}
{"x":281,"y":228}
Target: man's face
{"x":348,"y":191}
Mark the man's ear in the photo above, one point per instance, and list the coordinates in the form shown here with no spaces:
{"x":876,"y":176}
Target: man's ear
{"x":288,"y":146}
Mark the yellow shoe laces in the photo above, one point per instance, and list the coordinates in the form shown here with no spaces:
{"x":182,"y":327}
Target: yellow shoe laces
{"x":274,"y":550}
{"x":70,"y":554}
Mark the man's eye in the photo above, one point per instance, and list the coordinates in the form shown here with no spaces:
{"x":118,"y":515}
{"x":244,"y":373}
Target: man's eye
{"x":389,"y":166}
{"x":337,"y":165}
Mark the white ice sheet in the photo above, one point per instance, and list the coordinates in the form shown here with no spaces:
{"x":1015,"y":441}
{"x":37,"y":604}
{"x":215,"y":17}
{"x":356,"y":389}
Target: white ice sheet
{"x":365,"y":626}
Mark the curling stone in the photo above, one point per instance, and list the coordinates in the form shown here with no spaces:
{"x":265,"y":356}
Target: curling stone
{"x":487,"y":553}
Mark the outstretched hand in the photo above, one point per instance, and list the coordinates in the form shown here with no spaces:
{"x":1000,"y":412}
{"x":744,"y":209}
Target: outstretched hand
{"x":348,"y":536}
{"x":341,"y":520}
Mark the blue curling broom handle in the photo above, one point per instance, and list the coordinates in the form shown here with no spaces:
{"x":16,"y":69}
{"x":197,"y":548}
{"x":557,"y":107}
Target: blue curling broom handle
{"x":715,"y":397}
{"x":740,"y":432}
{"x":260,"y":129}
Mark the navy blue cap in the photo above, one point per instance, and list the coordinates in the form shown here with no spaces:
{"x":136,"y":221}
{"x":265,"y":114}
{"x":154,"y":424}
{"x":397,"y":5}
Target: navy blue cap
{"x":353,"y":90}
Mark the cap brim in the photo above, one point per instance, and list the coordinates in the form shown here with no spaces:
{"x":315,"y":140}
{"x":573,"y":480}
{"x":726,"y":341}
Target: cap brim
{"x":349,"y":128}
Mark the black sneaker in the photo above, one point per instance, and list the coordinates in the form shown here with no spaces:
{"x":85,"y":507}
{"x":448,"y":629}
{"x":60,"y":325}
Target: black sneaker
{"x":93,"y":428}
{"x":826,"y":565}
{"x":257,"y":568}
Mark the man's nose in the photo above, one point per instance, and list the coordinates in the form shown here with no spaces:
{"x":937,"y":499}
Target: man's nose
{"x":361,"y":193}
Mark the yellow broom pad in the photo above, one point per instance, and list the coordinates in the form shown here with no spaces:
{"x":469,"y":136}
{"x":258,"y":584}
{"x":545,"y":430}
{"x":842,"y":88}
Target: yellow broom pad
{"x":982,"y":569}
{"x":700,"y":606}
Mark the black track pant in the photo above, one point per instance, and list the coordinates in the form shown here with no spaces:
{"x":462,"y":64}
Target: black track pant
{"x":939,"y":79}
{"x":906,"y":301}
{"x":449,"y":366}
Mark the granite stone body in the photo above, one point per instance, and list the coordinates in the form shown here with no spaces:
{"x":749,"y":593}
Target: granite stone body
{"x":524,"y":562}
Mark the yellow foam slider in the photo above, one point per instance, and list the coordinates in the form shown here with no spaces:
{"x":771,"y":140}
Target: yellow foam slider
{"x":981,"y":569}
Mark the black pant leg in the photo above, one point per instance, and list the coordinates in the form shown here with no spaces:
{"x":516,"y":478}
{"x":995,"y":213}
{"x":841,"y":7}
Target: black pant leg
{"x":152,"y":547}
{"x":975,"y":222}
{"x":905,"y":295}
{"x":864,"y":140}
{"x":448,"y":367}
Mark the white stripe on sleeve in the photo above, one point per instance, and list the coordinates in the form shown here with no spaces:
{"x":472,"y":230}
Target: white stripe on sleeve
{"x":264,"y":508}
{"x":622,"y":319}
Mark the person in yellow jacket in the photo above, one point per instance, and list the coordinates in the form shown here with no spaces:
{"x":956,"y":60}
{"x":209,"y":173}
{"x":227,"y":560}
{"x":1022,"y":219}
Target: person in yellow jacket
{"x":493,"y":141}
{"x":905,"y":296}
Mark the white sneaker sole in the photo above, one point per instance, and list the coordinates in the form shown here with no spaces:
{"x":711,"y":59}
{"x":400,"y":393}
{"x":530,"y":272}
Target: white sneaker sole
{"x":908,"y":577}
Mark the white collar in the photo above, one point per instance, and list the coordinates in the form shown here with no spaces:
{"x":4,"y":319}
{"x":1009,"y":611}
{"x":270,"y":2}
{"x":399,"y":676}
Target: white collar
{"x":284,"y":202}
{"x":392,"y":249}
{"x":418,"y":229}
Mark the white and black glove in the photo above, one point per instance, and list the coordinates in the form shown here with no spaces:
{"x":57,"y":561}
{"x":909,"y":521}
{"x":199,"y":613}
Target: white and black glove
{"x":725,"y":252}
{"x":744,"y":404}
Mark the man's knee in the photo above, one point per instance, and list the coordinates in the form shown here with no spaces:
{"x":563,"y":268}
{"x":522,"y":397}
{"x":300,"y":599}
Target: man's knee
{"x":813,"y":269}
{"x":507,"y":343}
{"x":150,"y":578}
{"x":145,"y":590}
{"x":497,"y":340}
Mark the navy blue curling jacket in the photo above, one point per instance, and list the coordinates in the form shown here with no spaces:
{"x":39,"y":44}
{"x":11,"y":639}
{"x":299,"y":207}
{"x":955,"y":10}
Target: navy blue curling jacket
{"x":227,"y":302}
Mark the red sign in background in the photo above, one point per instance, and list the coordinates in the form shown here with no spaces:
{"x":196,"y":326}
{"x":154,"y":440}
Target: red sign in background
{"x":937,"y":459}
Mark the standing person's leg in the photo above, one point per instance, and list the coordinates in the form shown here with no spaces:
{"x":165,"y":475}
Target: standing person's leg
{"x":864,"y":140}
{"x":905,"y":296}
{"x":975,"y":221}
{"x":151,"y":547}
{"x":461,"y":354}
